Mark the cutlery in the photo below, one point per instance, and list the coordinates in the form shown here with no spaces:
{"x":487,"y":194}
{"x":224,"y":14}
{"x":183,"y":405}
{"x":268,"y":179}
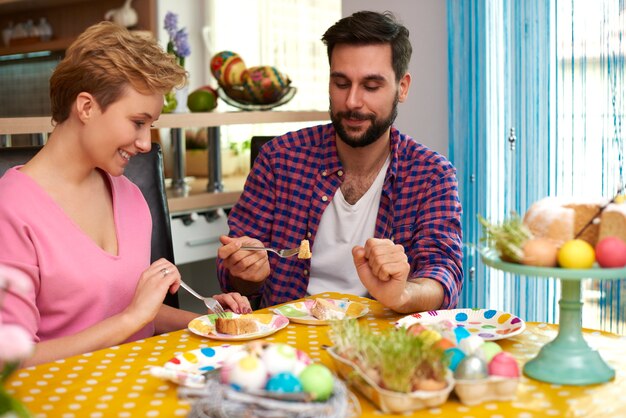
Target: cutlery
{"x":281,"y":253}
{"x":210,"y":303}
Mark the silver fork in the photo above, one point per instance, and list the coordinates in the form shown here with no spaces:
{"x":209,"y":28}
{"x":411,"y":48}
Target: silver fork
{"x":210,"y":303}
{"x":281,"y":253}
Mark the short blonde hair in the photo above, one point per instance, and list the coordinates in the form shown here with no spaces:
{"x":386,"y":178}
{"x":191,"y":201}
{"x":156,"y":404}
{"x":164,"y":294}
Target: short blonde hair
{"x":103,"y":61}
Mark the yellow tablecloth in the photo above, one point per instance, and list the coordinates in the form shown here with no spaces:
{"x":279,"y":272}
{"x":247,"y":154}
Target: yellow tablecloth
{"x":115,"y":382}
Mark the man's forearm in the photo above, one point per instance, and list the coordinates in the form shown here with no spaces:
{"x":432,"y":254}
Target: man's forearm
{"x":421,"y":294}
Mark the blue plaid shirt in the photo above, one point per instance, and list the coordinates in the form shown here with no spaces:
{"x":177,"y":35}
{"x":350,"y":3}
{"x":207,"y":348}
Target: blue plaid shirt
{"x":296,"y":175}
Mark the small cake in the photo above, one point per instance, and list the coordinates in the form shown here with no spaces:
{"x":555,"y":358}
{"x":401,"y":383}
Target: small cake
{"x":561,"y":220}
{"x":325,"y":310}
{"x":236,"y":326}
{"x":305,"y":250}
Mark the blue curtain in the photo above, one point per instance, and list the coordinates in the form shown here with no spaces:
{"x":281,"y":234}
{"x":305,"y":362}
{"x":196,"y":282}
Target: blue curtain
{"x":535,"y":110}
{"x":500,"y":113}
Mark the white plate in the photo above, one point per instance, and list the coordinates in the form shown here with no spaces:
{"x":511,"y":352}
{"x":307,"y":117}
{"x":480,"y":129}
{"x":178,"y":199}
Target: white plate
{"x":267,"y":324}
{"x":486,"y":323}
{"x":300,"y":312}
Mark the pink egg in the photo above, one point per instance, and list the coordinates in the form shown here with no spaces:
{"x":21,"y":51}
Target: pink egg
{"x":611,"y":252}
{"x":503,"y":364}
{"x":248,"y":373}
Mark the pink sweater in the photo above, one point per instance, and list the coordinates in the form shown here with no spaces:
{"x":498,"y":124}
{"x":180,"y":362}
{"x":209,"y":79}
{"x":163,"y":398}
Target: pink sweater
{"x":76,"y":283}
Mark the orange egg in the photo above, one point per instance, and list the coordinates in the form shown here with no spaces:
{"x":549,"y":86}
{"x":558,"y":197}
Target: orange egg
{"x":541,"y":252}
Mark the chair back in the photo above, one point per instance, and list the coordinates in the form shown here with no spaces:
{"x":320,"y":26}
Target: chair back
{"x":146,"y":171}
{"x":256,"y":142}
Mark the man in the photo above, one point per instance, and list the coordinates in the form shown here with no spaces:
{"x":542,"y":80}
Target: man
{"x":381,"y":211}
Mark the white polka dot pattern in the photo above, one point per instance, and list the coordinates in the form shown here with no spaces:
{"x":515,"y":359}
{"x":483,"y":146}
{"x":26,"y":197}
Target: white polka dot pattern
{"x":116,"y":382}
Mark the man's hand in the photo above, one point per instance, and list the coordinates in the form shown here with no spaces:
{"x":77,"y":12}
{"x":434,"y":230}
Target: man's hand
{"x":250,"y":266}
{"x":383,"y":269}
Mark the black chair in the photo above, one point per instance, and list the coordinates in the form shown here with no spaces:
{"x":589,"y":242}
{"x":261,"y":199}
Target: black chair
{"x":256,"y":142}
{"x":146,"y":171}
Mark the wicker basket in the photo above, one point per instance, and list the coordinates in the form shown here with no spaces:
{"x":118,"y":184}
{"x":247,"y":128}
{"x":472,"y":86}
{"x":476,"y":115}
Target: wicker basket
{"x":216,"y":400}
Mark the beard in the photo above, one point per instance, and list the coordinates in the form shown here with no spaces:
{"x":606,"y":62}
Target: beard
{"x":375,"y":131}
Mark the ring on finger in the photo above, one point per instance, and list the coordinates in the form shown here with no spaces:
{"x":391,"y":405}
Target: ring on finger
{"x":165,"y":271}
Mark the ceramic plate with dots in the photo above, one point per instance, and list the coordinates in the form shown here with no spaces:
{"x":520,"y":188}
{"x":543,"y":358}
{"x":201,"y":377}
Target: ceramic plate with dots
{"x":267,"y":325}
{"x":489,"y":324}
{"x":300,"y":312}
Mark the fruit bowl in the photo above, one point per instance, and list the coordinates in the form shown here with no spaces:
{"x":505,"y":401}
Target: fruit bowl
{"x":235,"y":97}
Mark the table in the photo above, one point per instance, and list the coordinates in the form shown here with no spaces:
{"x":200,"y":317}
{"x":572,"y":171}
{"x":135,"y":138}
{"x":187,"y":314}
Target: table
{"x":115,"y":382}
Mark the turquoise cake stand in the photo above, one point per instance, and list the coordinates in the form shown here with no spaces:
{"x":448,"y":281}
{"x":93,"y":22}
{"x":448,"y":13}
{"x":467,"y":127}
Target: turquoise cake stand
{"x":568,"y":359}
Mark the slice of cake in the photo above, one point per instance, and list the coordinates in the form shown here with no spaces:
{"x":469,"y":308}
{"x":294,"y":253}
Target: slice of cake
{"x":236,"y":326}
{"x":305,"y":250}
{"x":325,"y":310}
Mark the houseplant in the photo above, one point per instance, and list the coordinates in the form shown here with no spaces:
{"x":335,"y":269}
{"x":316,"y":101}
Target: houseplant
{"x":177,"y":45}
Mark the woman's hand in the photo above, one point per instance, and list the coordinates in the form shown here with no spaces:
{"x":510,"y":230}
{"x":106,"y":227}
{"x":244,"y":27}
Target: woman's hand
{"x":162,"y":276}
{"x":234,"y":302}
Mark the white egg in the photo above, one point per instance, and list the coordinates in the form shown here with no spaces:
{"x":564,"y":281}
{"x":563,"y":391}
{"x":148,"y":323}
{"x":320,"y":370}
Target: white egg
{"x":471,"y":344}
{"x":279,"y":358}
{"x":248,"y":373}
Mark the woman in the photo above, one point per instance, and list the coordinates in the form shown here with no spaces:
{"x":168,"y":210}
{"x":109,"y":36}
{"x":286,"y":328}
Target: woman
{"x":74,"y":224}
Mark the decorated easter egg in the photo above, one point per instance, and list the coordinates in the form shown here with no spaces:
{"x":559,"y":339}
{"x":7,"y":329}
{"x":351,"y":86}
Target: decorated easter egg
{"x":279,"y":358}
{"x":471,"y":344}
{"x":471,"y":367}
{"x":455,"y":355}
{"x":265,"y":84}
{"x":503,"y":364}
{"x":248,"y":373}
{"x":317,"y":380}
{"x":611,"y":252}
{"x":228,"y":68}
{"x":489,"y":349}
{"x":460,"y":333}
{"x":284,"y":382}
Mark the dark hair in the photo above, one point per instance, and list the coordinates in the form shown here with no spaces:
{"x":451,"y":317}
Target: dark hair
{"x":364,"y":28}
{"x":103,"y":61}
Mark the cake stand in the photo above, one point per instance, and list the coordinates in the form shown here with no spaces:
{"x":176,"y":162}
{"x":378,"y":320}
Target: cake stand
{"x":567,"y":359}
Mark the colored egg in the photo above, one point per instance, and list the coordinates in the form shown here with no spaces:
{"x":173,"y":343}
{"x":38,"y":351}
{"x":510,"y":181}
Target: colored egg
{"x":471,"y":344}
{"x":248,"y":373}
{"x":284,"y":382}
{"x":279,"y":358}
{"x":471,"y":368}
{"x":503,"y":364}
{"x":228,"y":68}
{"x":317,"y":380}
{"x":455,"y":355}
{"x":265,"y":84}
{"x":489,"y":349}
{"x":460,"y":333}
{"x":430,"y":336}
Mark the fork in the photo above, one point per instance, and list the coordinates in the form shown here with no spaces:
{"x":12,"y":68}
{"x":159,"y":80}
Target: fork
{"x":281,"y":253}
{"x":210,"y":303}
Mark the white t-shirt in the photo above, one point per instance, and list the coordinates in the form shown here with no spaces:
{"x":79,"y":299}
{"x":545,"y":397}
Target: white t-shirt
{"x":342,"y":227}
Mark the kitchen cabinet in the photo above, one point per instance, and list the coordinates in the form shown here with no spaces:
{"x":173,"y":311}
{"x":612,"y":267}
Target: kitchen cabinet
{"x":68,"y":18}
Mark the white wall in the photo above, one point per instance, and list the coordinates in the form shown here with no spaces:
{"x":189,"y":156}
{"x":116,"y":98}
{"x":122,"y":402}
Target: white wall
{"x":424,"y":115}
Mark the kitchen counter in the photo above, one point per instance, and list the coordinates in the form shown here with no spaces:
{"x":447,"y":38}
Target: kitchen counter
{"x":198,"y":198}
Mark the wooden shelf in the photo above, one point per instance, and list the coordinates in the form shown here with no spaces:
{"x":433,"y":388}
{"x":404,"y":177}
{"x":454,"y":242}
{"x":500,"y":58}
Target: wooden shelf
{"x":43,"y":124}
{"x":52,"y":45}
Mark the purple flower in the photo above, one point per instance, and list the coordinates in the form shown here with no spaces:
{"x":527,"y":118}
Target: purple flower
{"x":179,"y":38}
{"x":181,"y":43}
{"x":171,"y":24}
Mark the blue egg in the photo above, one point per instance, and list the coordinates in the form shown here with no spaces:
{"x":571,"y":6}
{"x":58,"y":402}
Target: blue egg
{"x":460,"y":333}
{"x":284,"y":382}
{"x":455,"y":355}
